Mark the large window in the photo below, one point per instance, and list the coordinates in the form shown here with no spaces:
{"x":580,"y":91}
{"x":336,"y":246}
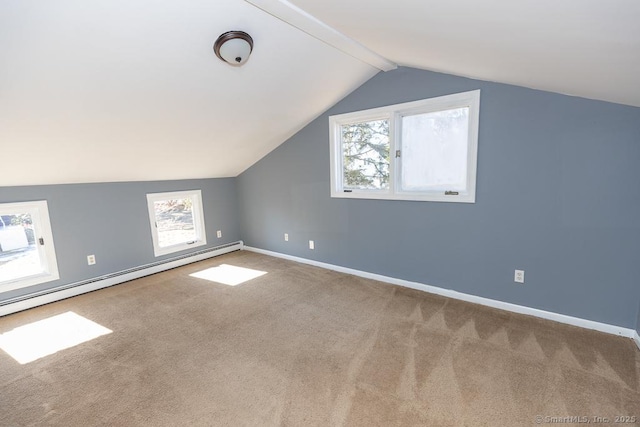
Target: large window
{"x":177,"y":221}
{"x":422,"y":150}
{"x":27,"y":254}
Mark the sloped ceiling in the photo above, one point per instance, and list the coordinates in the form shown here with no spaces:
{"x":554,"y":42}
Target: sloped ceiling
{"x":120,"y":90}
{"x":587,"y":48}
{"x":100,"y":91}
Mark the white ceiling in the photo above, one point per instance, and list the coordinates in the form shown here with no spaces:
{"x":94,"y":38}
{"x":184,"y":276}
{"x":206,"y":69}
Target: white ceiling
{"x":587,"y":48}
{"x":101,"y":91}
{"x":131,"y":90}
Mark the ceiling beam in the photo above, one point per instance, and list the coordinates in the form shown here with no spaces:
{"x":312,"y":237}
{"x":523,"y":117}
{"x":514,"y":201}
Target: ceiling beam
{"x":303,"y":21}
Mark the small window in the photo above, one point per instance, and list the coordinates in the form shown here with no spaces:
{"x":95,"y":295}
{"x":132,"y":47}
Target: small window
{"x":423,"y":150}
{"x":177,"y":221}
{"x":27,"y":254}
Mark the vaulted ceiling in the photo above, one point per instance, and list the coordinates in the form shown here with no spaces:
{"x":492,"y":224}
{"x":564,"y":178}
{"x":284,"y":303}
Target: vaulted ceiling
{"x":587,"y":48}
{"x":131,"y":90}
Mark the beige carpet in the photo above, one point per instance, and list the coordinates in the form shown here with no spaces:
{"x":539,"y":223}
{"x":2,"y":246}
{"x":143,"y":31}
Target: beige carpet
{"x":305,"y":346}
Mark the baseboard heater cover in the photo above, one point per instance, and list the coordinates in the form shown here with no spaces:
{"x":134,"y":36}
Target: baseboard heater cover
{"x":47,"y":296}
{"x":515,"y":308}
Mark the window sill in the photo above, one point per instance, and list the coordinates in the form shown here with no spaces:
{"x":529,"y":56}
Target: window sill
{"x":177,"y":248}
{"x":460,"y":198}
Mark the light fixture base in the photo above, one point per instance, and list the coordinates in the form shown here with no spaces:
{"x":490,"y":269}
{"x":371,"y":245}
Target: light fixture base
{"x":233,"y":47}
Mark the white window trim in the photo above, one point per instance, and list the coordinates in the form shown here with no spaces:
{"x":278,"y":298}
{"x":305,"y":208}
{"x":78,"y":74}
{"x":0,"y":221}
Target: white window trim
{"x":198,"y":220}
{"x":39,"y":211}
{"x":394,"y":114}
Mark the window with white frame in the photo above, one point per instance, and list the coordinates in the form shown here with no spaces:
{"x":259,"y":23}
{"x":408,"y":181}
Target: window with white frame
{"x":27,"y":253}
{"x":422,"y":150}
{"x":177,"y":221}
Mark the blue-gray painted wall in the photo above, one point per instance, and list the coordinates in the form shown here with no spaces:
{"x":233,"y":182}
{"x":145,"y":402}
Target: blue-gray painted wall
{"x":557,"y":196}
{"x":111,"y":221}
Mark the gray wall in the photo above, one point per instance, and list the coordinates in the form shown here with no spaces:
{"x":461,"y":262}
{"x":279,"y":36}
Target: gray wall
{"x":557,"y":196}
{"x":111,"y":220}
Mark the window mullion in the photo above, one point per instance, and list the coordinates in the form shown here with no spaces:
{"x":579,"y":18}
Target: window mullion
{"x":394,"y":145}
{"x":38,"y":233}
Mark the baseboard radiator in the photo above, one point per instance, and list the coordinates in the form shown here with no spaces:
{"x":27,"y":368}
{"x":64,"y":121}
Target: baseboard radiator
{"x":23,"y":302}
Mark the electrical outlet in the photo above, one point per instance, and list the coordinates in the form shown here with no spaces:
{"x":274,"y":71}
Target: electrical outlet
{"x":91,"y":259}
{"x":518,"y":277}
{"x":219,"y":234}
{"x":311,"y":244}
{"x":286,"y":237}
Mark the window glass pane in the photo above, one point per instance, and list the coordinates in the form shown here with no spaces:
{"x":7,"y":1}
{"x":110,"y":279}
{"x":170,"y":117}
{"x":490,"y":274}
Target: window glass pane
{"x":177,"y":221}
{"x":174,"y":221}
{"x":365,"y":154}
{"x":434,"y":151}
{"x":19,"y":256}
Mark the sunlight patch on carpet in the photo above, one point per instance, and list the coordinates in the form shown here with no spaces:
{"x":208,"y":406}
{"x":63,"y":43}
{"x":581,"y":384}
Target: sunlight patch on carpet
{"x":48,"y":336}
{"x":228,"y":274}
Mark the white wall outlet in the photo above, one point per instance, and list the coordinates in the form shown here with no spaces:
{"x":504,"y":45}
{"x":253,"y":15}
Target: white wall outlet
{"x":91,"y":259}
{"x":219,"y":234}
{"x":518,"y":277}
{"x":311,"y":244}
{"x":286,"y":237}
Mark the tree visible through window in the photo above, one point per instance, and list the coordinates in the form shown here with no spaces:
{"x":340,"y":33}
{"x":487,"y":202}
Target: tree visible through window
{"x":366,"y":155}
{"x":421,"y":150}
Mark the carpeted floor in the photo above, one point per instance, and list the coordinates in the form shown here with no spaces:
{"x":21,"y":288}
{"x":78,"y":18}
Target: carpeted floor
{"x":305,"y":346}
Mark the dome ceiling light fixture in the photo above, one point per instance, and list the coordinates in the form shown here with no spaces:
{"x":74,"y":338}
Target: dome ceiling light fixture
{"x":233,"y":47}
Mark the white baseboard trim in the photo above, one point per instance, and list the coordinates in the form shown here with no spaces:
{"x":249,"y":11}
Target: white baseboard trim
{"x":113,"y":279}
{"x":636,"y":338}
{"x":562,"y":318}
